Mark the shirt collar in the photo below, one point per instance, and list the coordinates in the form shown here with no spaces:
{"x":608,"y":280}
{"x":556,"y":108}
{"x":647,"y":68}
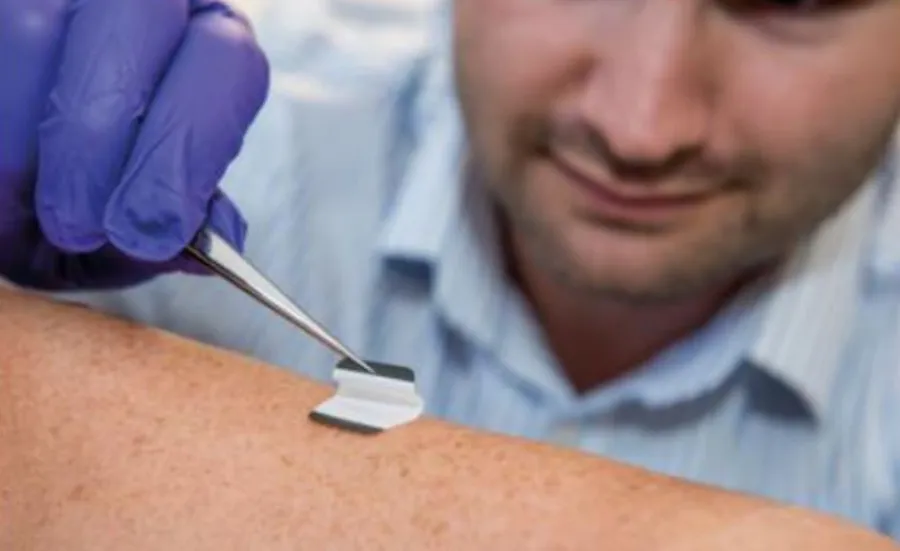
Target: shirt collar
{"x":429,"y":196}
{"x":808,"y":314}
{"x":441,"y":221}
{"x":885,"y":258}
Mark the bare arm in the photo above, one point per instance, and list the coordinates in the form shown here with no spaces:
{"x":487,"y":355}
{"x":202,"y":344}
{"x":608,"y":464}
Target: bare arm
{"x":116,"y":436}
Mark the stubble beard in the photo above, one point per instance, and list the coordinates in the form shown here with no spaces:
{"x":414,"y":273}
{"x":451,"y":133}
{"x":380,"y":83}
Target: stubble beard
{"x":701,"y":263}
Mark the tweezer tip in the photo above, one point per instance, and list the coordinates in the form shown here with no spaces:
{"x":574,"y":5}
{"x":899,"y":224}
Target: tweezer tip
{"x":363,"y":365}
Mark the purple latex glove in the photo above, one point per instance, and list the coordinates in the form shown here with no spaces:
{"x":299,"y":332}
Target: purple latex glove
{"x":118,"y":118}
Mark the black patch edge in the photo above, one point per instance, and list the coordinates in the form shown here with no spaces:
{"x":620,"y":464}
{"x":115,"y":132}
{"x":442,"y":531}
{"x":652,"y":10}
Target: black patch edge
{"x":343,"y":424}
{"x":391,"y":371}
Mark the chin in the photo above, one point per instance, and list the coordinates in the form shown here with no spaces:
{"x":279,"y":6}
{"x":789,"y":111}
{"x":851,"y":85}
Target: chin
{"x":624,"y":286}
{"x":634,"y":268}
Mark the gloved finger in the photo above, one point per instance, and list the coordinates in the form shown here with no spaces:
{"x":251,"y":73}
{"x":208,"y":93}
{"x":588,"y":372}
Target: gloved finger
{"x":193,"y":130}
{"x":30,"y":35}
{"x":108,"y":267}
{"x":114,"y":54}
{"x":225,"y":219}
{"x":105,"y":268}
{"x":199,"y":7}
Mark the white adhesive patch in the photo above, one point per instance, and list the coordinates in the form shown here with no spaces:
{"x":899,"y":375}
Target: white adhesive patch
{"x":370,"y":403}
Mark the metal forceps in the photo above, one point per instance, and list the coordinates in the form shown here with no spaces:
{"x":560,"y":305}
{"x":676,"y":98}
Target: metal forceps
{"x":216,"y":254}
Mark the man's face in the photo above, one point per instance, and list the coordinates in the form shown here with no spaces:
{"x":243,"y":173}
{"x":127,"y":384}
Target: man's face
{"x":650,"y":149}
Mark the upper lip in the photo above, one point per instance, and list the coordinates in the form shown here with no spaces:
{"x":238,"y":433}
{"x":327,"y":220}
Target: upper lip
{"x":593,"y":175}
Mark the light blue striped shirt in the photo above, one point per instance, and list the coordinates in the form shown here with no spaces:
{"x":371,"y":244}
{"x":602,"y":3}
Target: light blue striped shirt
{"x":351,"y":182}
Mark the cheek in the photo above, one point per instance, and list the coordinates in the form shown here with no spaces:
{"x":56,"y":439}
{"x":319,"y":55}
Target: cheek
{"x":513,"y":58}
{"x":810,"y":110}
{"x":812,"y":149}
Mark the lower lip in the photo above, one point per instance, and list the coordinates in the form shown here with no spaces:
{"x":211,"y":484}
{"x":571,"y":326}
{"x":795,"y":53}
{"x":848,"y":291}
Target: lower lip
{"x":608,"y":203}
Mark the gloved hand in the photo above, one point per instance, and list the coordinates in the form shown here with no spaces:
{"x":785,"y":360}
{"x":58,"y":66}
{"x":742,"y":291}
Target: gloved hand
{"x":118,"y":118}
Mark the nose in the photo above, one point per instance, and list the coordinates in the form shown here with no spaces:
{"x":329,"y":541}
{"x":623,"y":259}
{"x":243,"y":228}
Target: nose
{"x":648,"y":96}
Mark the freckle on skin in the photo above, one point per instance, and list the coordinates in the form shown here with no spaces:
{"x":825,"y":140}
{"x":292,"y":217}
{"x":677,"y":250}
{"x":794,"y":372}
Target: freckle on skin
{"x":77,"y":493}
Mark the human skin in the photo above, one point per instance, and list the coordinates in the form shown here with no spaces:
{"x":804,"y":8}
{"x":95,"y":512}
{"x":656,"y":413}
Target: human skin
{"x":759,"y":117}
{"x":118,"y":436}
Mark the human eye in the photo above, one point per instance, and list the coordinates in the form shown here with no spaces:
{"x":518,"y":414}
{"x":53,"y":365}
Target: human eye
{"x":796,"y":20}
{"x":790,"y":8}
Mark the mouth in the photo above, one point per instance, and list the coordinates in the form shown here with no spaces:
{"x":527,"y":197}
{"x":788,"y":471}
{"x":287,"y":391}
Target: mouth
{"x":615,"y":201}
